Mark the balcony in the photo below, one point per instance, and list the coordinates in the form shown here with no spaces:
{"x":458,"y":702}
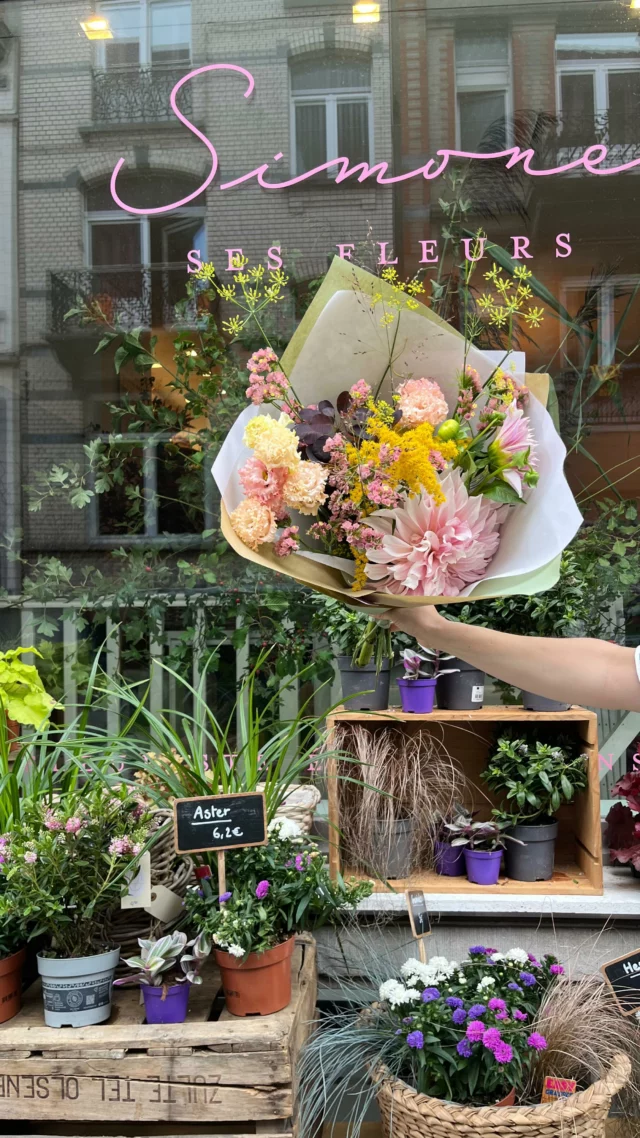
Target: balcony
{"x":129,"y":297}
{"x":620,"y":133}
{"x":616,"y":405}
{"x":138,"y":95}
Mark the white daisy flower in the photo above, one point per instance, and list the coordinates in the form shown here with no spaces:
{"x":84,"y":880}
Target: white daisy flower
{"x":284,"y":828}
{"x":518,"y":955}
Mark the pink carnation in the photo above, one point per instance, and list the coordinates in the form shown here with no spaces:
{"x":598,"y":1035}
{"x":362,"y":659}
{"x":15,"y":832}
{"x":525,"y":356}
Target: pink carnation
{"x":434,"y":551}
{"x":264,"y":483}
{"x":421,"y":401}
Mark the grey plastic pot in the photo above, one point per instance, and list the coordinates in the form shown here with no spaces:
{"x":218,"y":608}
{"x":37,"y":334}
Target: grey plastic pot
{"x":462,"y":690}
{"x":77,"y":990}
{"x":533,"y":702}
{"x":532,"y":861}
{"x":394,"y":849}
{"x":373,"y":688}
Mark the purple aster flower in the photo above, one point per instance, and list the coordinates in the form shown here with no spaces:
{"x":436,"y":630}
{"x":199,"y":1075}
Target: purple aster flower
{"x":537,"y":1041}
{"x":224,"y":897}
{"x":408,"y":1019}
{"x":458,"y":1016}
{"x":533,"y":959}
{"x":464,"y":1049}
{"x":262,"y":888}
{"x":476,"y":1030}
{"x":556,"y":970}
{"x":496,"y":1004}
{"x":415,"y":1039}
{"x":476,"y":1010}
{"x":477,"y":950}
{"x":490,"y":951}
{"x":299,"y":863}
{"x":398,"y":1032}
{"x":454,"y":1002}
{"x":514,"y":987}
{"x":520,"y":1016}
{"x":503,"y":1053}
{"x":491,"y":1038}
{"x":502,"y":1016}
{"x":430,"y":994}
{"x":528,"y":979}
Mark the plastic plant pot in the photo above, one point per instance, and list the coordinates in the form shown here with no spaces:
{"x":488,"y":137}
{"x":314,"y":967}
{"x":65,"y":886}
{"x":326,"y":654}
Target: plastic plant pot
{"x":166,"y":1004}
{"x":449,"y":860}
{"x":77,"y":990}
{"x":533,"y":702}
{"x":417,"y":696}
{"x":364,"y":689}
{"x":462,"y":690}
{"x":260,"y":984}
{"x":395,"y":847}
{"x":534,"y":860}
{"x":483,"y":866}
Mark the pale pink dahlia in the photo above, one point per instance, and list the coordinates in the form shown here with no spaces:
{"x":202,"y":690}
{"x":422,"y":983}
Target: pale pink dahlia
{"x":434,"y":551}
{"x":421,"y":401}
{"x":264,"y":483}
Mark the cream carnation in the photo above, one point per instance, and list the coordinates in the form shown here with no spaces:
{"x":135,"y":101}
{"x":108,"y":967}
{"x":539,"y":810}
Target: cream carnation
{"x":304,"y":489}
{"x":253,"y":522}
{"x":421,"y":401}
{"x":272,"y":441}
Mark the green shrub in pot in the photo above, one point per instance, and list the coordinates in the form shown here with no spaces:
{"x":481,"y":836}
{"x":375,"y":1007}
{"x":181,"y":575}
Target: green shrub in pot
{"x":65,"y":864}
{"x":534,"y":778}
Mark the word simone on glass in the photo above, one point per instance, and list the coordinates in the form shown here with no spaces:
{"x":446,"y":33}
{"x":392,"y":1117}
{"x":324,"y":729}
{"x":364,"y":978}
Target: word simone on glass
{"x":473,"y":249}
{"x":591,"y":161}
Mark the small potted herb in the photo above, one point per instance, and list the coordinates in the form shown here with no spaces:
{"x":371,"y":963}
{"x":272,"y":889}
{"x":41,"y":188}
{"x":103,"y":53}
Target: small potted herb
{"x":535,"y":779}
{"x":483,"y":844}
{"x":418,"y":685}
{"x":165,"y":992}
{"x":449,"y":858}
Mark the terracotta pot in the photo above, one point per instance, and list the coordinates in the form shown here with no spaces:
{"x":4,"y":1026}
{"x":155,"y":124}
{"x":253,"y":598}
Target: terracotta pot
{"x":259,"y":985}
{"x":508,"y":1100}
{"x":11,"y":984}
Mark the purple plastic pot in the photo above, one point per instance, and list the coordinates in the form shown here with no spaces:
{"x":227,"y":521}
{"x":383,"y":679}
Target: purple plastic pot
{"x":449,"y":860}
{"x":173,"y":1009}
{"x":483,"y":866}
{"x":417,"y":695}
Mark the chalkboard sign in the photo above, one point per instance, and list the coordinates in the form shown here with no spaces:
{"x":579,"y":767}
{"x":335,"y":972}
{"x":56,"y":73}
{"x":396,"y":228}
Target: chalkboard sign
{"x":623,"y":977}
{"x":418,"y":913}
{"x":219,"y":822}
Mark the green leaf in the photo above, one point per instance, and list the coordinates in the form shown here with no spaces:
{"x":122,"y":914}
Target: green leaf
{"x":80,"y":497}
{"x":502,"y":492}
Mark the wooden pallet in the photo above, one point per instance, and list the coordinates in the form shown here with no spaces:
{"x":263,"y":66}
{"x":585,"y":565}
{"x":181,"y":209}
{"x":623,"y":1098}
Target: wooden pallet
{"x":236,"y":1075}
{"x":468,"y":735}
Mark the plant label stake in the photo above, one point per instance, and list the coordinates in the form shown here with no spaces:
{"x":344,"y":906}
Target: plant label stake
{"x":138,"y":894}
{"x":557,"y":1088}
{"x":623,"y":977}
{"x":419,"y":920}
{"x":220,"y":822}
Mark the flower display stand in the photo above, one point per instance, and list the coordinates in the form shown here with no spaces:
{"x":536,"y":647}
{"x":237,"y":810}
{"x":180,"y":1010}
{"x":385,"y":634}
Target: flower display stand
{"x":231,"y":1076}
{"x":468,"y":736}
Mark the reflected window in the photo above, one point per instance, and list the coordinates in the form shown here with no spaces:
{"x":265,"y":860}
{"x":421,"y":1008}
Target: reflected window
{"x":598,"y":89}
{"x":483,"y":89}
{"x":332,"y":110}
{"x":146,"y":32}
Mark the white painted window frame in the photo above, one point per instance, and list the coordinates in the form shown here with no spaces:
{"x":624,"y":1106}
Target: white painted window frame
{"x":484,"y":79}
{"x":144,"y":7}
{"x":606,"y":310}
{"x":600,"y":69}
{"x":331,"y":99}
{"x":120,"y":216}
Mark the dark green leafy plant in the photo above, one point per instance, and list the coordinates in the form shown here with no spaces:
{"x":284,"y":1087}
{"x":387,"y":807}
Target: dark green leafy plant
{"x":534,"y":778}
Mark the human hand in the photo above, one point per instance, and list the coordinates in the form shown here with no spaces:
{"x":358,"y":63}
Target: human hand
{"x":424,"y":623}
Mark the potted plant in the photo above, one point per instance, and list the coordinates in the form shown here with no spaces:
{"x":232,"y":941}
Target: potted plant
{"x":534,"y":779}
{"x":622,"y":833}
{"x":364,"y":652}
{"x":483,"y":844}
{"x":12,"y":956}
{"x":22,"y":695}
{"x":274,"y":892}
{"x":164,"y":990}
{"x":65,"y":865}
{"x":449,"y":859}
{"x":418,"y":685}
{"x":461,"y":687}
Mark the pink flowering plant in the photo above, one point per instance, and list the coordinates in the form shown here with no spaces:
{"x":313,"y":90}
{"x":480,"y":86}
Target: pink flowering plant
{"x":67,"y":862}
{"x":623,"y":822}
{"x":273,"y":892}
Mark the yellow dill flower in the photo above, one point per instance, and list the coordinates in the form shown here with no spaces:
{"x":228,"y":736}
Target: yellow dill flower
{"x":276,"y":276}
{"x":233,"y":326}
{"x":389,"y":275}
{"x":534,"y":317}
{"x":522,"y":273}
{"x":206,"y":272}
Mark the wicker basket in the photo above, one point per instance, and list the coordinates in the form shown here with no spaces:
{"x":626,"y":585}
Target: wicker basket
{"x":300,"y":804}
{"x":175,"y":873}
{"x":408,"y":1114}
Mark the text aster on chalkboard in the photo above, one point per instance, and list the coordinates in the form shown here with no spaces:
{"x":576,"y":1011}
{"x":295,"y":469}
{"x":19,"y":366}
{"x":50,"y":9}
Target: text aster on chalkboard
{"x":219,"y":822}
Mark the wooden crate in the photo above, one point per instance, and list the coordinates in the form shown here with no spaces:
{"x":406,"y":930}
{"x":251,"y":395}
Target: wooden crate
{"x":236,"y":1075}
{"x":468,"y":736}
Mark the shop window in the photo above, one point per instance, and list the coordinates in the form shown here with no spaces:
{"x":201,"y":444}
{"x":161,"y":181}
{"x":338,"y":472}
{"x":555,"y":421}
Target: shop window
{"x":598,"y":90}
{"x":332,"y":110}
{"x":146,"y":32}
{"x":483,"y":89}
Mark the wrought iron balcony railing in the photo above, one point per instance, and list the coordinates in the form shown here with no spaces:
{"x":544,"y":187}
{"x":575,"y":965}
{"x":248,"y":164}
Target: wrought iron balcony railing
{"x":138,"y":95}
{"x":619,"y":132}
{"x":128,"y":297}
{"x":616,"y":404}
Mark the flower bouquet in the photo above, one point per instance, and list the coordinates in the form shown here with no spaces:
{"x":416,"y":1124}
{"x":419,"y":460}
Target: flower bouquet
{"x":423,"y":472}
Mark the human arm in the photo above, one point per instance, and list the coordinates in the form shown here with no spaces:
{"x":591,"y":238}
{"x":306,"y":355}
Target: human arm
{"x":573,"y":670}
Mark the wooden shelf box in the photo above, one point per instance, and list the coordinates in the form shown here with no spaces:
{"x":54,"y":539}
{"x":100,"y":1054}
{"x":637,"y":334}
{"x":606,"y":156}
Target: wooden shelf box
{"x":235,"y":1075}
{"x":468,"y":736}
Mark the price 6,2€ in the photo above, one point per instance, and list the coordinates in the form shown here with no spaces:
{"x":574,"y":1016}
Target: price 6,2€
{"x":227,"y":833}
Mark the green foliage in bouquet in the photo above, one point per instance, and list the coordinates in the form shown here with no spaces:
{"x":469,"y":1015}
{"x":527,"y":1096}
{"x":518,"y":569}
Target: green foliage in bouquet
{"x":535,"y":778}
{"x":274,"y":891}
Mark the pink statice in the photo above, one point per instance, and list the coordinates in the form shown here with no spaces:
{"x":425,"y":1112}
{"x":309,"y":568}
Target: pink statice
{"x":430,"y":550}
{"x":268,"y":383}
{"x":421,"y":401}
{"x":262,"y":360}
{"x":287,"y":542}
{"x":73,"y":825}
{"x":264,"y":483}
{"x":360,"y":393}
{"x":513,"y":449}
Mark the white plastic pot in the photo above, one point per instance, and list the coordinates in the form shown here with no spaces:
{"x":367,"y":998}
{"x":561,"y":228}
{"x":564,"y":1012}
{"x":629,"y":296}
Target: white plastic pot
{"x":77,"y":990}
